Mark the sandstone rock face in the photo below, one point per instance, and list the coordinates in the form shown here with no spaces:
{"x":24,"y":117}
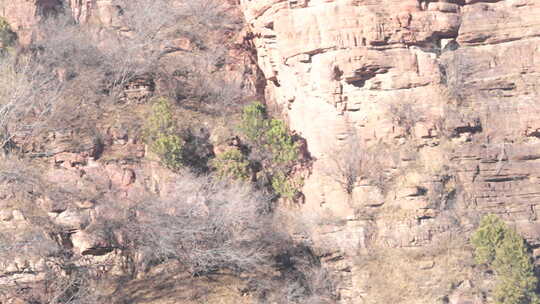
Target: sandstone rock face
{"x":442,"y":94}
{"x":24,"y":15}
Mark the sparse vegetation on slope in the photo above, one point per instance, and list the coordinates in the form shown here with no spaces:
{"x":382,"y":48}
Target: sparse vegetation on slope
{"x":103,"y":223}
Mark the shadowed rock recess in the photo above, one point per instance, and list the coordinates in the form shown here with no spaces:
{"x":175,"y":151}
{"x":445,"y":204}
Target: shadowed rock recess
{"x":415,"y":118}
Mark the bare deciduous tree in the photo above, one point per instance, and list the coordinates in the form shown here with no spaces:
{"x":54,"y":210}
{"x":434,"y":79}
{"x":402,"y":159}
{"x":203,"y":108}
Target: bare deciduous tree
{"x":207,"y":225}
{"x":72,"y":68}
{"x":28,"y":96}
{"x":147,"y":33}
{"x":350,"y":162}
{"x":346,"y":163}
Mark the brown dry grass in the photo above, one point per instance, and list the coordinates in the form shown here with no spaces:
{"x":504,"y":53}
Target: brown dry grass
{"x":169,"y":288}
{"x":416,"y":275}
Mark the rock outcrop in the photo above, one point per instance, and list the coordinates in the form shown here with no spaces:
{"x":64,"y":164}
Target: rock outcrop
{"x":442,"y":95}
{"x":23,"y":16}
{"x":437,"y":97}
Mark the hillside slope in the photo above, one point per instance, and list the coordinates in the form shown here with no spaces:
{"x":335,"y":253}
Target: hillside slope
{"x":410,"y":121}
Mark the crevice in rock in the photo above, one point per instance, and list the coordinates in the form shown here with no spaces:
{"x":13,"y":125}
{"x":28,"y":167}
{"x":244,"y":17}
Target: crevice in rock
{"x":260,"y":82}
{"x":505,"y":179}
{"x":468,"y":129}
{"x":97,"y":251}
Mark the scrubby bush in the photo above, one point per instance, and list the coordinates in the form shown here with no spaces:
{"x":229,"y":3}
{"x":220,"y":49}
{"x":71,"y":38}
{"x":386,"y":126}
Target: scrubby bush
{"x":487,"y":238}
{"x":169,"y":147}
{"x":406,"y":115}
{"x":351,"y":161}
{"x":513,"y":266}
{"x":456,"y":70}
{"x":232,"y":164}
{"x":200,"y":226}
{"x":273,"y":147}
{"x":254,"y":121}
{"x":505,"y":252}
{"x":208,"y":225}
{"x":285,"y":186}
{"x":270,"y":135}
{"x":30,"y":97}
{"x":71,"y":70}
{"x":102,"y":62}
{"x":280,"y":143}
{"x":197,"y":150}
{"x":162,"y":137}
{"x":347,"y":160}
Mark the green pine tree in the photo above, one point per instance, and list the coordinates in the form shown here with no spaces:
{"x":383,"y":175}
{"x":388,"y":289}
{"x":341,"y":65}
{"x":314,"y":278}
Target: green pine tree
{"x":503,"y":250}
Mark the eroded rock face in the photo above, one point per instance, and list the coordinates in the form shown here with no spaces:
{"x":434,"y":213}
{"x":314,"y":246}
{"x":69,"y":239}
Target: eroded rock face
{"x":443,"y":93}
{"x":23,"y":16}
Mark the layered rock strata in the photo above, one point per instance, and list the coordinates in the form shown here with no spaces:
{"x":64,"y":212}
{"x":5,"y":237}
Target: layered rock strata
{"x":441,"y":97}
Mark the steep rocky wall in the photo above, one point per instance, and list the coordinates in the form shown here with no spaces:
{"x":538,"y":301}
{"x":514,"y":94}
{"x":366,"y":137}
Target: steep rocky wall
{"x":23,"y":16}
{"x":443,"y":96}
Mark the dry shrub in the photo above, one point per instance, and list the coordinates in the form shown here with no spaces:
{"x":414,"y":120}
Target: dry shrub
{"x":456,"y":70}
{"x":29,"y":96}
{"x":406,"y":115}
{"x":208,"y":225}
{"x":301,"y":279}
{"x":106,"y":61}
{"x":64,"y":78}
{"x":205,"y":226}
{"x":352,"y":162}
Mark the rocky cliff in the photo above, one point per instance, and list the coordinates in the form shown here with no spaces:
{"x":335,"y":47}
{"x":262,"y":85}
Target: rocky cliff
{"x":419,"y":116}
{"x":441,"y":97}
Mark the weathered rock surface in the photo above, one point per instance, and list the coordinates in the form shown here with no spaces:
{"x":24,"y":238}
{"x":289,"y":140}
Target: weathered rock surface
{"x":444,"y":92}
{"x":23,"y":16}
{"x":442,"y":95}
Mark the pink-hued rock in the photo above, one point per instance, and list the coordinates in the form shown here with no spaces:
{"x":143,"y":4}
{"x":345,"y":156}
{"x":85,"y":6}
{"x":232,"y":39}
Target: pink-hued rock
{"x":90,"y":244}
{"x":120,"y":176}
{"x":446,"y":90}
{"x":443,"y":95}
{"x":6,"y":215}
{"x":68,"y":160}
{"x":23,"y":16}
{"x":70,"y":219}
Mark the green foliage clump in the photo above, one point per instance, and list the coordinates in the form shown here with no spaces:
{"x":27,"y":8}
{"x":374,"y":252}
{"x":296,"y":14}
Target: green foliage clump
{"x":7,"y":36}
{"x":286,"y":186}
{"x":254,"y":121}
{"x":232,"y":164}
{"x":276,"y":149}
{"x":280,"y":143}
{"x":487,"y":238}
{"x":517,"y":282}
{"x":505,"y":252}
{"x":161,"y":133}
{"x":270,"y":135}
